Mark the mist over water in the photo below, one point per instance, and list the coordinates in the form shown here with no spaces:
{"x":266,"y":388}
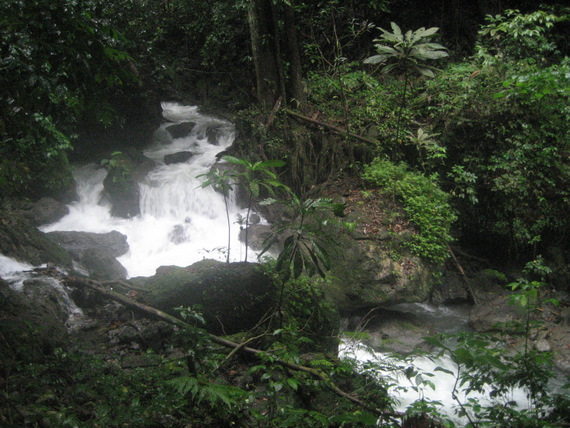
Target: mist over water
{"x":180,"y":222}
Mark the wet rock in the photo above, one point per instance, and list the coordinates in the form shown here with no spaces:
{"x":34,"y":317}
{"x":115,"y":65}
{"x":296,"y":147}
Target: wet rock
{"x":122,"y":182}
{"x":96,"y":252}
{"x":233,"y":297}
{"x":254,"y":219}
{"x":180,"y":130}
{"x":366,"y":275}
{"x":102,"y":265}
{"x":179,"y":157}
{"x":178,"y":234}
{"x":46,"y":210}
{"x":21,"y":240}
{"x":146,"y":334}
{"x":492,"y":309}
{"x":31,"y":325}
{"x":495,"y":314}
{"x":256,"y":235}
{"x":392,"y":331}
{"x":542,"y":345}
{"x":213,"y":133}
{"x":450,"y":290}
{"x":115,"y":243}
{"x":161,"y":136}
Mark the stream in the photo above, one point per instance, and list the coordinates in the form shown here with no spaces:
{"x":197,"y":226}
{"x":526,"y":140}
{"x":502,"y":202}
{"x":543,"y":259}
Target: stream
{"x":181,"y":223}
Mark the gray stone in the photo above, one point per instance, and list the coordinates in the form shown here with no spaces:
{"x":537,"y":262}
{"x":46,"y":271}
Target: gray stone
{"x":451,"y":290}
{"x":213,"y":134}
{"x":178,"y":157}
{"x":46,"y":210}
{"x":233,"y":297}
{"x":162,"y":136}
{"x":180,"y":130}
{"x":115,"y":243}
{"x":24,"y":242}
{"x":542,"y":345}
{"x":96,"y":252}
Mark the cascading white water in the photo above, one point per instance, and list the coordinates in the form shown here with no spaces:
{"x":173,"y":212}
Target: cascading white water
{"x":14,"y":272}
{"x":405,"y":388}
{"x":180,"y":222}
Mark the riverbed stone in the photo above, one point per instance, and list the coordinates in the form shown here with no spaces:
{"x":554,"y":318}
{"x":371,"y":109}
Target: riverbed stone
{"x":46,"y":210}
{"x":542,"y":345}
{"x":452,"y":289}
{"x":178,"y":157}
{"x":180,"y":130}
{"x":364,"y":275}
{"x":122,"y":182}
{"x":162,"y":136}
{"x":22,"y":241}
{"x":115,"y":243}
{"x":31,"y":325}
{"x":232,"y":297}
{"x":493,"y":309}
{"x":213,"y":133}
{"x":96,"y":252}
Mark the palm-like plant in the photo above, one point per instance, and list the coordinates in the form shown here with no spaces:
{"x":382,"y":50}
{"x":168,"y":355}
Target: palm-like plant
{"x":254,"y":176}
{"x":304,"y":246}
{"x":408,"y":53}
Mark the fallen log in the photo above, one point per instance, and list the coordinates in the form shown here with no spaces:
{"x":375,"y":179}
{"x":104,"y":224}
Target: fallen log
{"x":331,"y":127}
{"x":153,"y":312}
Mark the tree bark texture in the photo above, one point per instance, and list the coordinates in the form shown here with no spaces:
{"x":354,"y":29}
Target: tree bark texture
{"x":265,"y":58}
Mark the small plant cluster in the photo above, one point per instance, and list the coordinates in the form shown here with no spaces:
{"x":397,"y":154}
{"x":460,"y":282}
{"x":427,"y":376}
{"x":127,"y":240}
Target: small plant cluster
{"x":426,"y":205}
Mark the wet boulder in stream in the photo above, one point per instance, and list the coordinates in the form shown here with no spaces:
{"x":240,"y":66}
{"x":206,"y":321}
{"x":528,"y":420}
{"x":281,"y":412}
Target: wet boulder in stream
{"x":178,"y":157}
{"x":232,"y":297}
{"x":128,"y":169}
{"x":96,"y":252}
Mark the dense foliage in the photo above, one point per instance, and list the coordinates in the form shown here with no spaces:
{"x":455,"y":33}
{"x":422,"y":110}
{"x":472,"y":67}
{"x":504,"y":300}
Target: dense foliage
{"x":58,"y":62}
{"x":478,"y":148}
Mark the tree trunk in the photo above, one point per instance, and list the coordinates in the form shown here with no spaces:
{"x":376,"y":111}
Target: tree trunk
{"x":295,"y":84}
{"x":265,"y":58}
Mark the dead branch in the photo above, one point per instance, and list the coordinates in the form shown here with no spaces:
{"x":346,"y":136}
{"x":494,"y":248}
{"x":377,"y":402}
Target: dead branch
{"x":150,"y":311}
{"x":333,"y":128}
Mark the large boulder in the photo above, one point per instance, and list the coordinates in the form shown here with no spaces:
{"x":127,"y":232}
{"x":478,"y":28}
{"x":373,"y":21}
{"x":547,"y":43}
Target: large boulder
{"x":232,"y":297}
{"x":22,"y":241}
{"x":46,"y":210}
{"x":364,"y":274}
{"x":32,"y":322}
{"x":492,"y":309}
{"x":179,"y":130}
{"x":96,"y":252}
{"x":178,"y":157}
{"x":127,"y":170}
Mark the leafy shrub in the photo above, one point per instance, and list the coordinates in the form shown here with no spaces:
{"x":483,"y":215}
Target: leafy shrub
{"x":425,"y":203}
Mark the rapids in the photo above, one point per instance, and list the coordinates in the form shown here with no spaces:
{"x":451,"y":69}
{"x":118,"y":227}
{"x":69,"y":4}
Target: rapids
{"x":180,"y":222}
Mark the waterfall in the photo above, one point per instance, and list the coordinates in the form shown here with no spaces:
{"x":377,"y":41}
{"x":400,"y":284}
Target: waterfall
{"x":180,"y":222}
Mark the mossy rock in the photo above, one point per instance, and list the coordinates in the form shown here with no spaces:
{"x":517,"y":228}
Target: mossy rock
{"x":365,"y":274}
{"x":22,"y":241}
{"x":232,"y":297}
{"x":32,"y":326}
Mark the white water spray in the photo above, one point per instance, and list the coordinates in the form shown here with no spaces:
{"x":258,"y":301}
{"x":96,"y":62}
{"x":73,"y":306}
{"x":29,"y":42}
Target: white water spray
{"x":180,"y":222}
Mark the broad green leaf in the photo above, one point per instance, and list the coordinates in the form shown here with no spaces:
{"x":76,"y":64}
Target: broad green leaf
{"x":376,"y":59}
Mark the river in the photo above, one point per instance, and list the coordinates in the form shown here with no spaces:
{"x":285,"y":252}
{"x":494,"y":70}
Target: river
{"x":180,"y":222}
